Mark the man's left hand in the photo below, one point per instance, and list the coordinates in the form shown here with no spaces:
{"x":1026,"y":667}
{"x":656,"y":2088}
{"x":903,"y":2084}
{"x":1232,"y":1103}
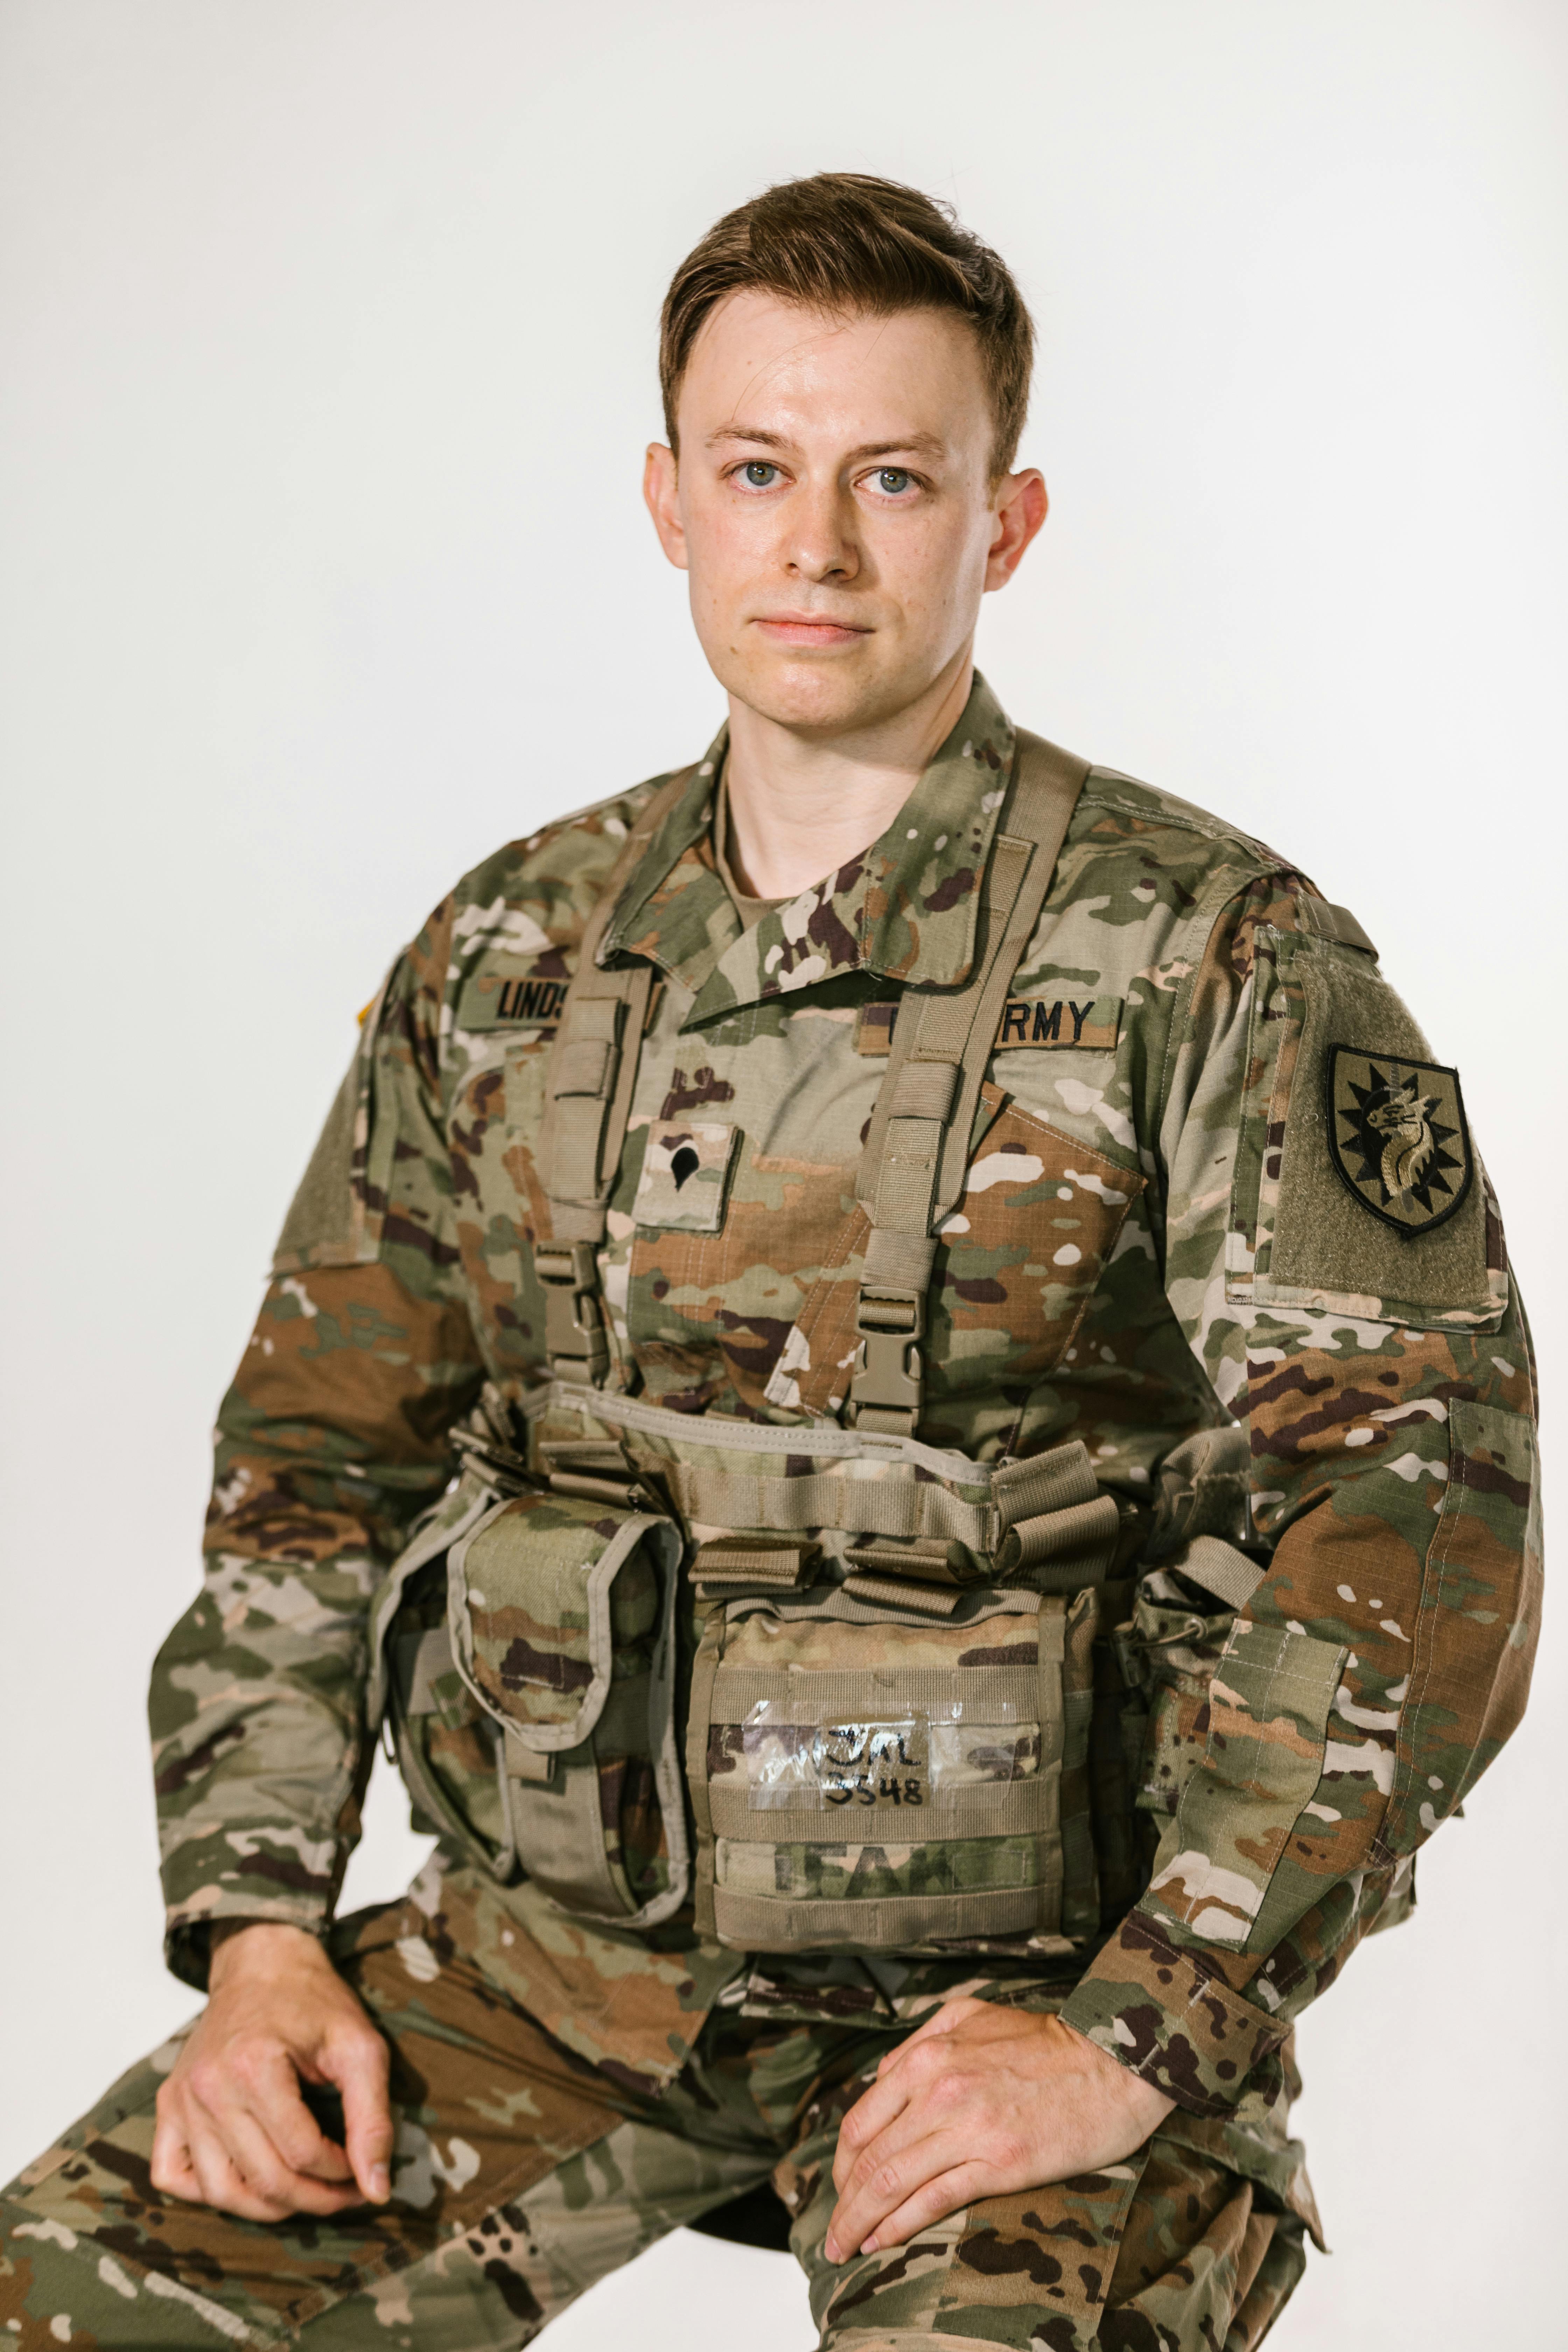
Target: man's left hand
{"x":980,"y":2102}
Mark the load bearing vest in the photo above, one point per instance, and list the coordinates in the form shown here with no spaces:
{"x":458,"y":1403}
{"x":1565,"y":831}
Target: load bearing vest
{"x":888,"y":1720}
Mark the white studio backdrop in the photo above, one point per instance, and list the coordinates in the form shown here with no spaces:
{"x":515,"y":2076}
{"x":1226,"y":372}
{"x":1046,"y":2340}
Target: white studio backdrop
{"x":330,"y":361}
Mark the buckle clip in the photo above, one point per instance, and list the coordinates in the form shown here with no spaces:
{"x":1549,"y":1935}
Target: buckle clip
{"x":1130,"y":1656}
{"x":885,"y":1393}
{"x":575,"y":1339}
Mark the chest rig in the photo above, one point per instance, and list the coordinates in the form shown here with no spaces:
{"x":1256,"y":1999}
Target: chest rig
{"x":888,"y":1673}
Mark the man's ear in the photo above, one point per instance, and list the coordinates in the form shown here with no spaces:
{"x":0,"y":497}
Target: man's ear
{"x":1021,"y":507}
{"x":659,"y":484}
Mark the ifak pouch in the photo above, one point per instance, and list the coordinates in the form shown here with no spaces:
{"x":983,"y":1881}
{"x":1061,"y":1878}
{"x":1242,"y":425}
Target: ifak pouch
{"x":534,"y":1716}
{"x":865,"y":1777}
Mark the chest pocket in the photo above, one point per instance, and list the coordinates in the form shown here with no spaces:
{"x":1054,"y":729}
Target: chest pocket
{"x":1017,"y":1265}
{"x":716,"y":1287}
{"x":1024,"y":1253}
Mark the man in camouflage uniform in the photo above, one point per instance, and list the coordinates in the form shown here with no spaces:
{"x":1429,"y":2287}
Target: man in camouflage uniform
{"x":1222,"y":1258}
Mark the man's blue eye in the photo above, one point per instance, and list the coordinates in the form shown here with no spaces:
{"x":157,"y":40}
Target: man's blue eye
{"x":758,"y":472}
{"x":893,"y":478}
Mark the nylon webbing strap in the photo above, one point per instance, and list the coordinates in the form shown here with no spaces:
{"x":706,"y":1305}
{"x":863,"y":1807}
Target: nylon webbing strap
{"x":699,"y":1717}
{"x":587,"y":1104}
{"x":917,"y":1148}
{"x":877,"y":1506}
{"x":883,"y":1923}
{"x":1220,"y":1568}
{"x":1026,"y":1808}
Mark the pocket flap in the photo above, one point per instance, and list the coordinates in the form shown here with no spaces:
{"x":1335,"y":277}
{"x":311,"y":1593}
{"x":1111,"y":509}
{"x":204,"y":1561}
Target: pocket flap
{"x":547,"y":1596}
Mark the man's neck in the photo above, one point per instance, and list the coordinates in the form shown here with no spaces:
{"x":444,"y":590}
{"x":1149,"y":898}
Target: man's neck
{"x":801,"y":807}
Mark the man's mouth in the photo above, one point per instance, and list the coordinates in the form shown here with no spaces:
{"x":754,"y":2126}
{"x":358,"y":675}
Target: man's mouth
{"x":807,"y":629}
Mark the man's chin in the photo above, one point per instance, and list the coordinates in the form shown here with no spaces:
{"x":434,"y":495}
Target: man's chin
{"x":819,"y":698}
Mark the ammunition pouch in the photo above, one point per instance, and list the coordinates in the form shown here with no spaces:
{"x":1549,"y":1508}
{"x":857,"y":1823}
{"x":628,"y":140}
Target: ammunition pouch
{"x":529,"y":1642}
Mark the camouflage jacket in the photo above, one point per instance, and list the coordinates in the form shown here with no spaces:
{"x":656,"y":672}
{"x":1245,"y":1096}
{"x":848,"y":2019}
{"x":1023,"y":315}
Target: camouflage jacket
{"x":1215,"y":1175}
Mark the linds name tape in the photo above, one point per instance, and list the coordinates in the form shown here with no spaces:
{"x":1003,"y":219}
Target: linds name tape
{"x":494,"y":1000}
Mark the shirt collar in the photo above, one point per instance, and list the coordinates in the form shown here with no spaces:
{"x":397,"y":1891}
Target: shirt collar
{"x":905,"y":910}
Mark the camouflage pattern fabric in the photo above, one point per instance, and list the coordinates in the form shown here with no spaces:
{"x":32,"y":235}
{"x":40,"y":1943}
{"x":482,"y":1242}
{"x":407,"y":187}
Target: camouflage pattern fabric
{"x":1160,"y":1232}
{"x":521,"y":2175}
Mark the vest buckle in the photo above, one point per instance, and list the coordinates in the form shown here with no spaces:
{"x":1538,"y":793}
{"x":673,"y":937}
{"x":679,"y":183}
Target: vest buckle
{"x":575,"y":1339}
{"x":885,"y":1393}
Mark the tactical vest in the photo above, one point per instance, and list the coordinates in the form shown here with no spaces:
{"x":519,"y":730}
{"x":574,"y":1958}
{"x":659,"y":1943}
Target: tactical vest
{"x":888,"y":1680}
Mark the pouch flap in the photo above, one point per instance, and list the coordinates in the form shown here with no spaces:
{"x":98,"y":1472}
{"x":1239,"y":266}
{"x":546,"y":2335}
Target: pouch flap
{"x":541,"y":1594}
{"x":443,"y":1525}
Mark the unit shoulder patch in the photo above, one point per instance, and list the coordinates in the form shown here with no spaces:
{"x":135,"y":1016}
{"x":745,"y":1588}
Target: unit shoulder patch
{"x":1342,"y":1095}
{"x":1398,"y":1135}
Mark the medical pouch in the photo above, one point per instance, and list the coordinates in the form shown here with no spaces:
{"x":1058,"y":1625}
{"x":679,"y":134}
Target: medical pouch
{"x":866,"y":1779}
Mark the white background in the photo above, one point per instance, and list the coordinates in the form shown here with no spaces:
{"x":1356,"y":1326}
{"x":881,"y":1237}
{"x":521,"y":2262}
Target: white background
{"x":331,"y":361}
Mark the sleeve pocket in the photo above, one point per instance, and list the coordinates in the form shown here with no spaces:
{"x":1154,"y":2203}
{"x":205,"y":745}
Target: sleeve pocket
{"x":1479,"y":1621}
{"x":1268,"y":1711}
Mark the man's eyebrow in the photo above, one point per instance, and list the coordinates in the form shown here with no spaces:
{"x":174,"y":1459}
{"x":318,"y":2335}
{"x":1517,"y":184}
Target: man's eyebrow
{"x":924,"y":445}
{"x":748,"y":433}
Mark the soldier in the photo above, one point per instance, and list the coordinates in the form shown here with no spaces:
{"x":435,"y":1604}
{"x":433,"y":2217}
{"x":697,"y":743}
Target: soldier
{"x":889,"y":1273}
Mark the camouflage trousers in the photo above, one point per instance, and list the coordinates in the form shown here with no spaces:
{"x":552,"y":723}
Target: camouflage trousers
{"x":521,"y":2175}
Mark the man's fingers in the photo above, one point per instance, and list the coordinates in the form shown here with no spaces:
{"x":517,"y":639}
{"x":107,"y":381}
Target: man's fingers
{"x":870,"y":2115}
{"x":267,"y":2175}
{"x":357,"y":2064}
{"x":886,"y":2184}
{"x":220,"y":2183}
{"x":173,"y":2174}
{"x":911,"y":2076}
{"x":265,"y":2089}
{"x":949,"y":2192}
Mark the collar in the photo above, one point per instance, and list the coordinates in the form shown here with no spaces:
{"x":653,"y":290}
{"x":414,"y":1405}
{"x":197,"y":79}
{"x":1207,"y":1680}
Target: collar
{"x":905,"y":910}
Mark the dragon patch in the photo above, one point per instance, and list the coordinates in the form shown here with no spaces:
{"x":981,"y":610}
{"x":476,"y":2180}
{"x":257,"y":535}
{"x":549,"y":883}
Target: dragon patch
{"x":1398,"y":1137}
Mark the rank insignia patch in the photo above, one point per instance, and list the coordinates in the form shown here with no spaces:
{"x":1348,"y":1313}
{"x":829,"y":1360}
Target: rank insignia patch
{"x":1398,"y":1137}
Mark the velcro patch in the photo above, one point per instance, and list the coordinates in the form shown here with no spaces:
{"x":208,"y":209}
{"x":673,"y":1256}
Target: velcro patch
{"x":512,"y":995}
{"x":685,"y":1170}
{"x":1398,"y":1135}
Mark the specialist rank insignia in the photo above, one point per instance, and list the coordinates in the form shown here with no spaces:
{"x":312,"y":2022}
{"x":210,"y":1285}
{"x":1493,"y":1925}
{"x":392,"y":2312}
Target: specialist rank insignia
{"x":1398,"y":1137}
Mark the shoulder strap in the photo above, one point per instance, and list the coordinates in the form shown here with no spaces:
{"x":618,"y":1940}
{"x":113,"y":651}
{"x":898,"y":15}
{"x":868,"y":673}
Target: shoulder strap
{"x":916,"y":1151}
{"x":588,"y":1101}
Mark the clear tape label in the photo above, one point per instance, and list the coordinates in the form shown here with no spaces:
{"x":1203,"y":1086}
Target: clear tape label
{"x":884,"y":1765}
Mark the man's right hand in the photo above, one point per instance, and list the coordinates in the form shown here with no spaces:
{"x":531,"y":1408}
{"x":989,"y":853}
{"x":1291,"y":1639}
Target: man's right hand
{"x":233,"y":2130}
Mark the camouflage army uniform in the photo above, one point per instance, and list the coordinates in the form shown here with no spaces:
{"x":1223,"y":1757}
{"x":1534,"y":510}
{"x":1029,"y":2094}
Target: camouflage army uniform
{"x":1213,"y":1175}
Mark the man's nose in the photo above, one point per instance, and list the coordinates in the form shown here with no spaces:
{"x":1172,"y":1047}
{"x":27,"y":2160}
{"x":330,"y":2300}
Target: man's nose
{"x":820,"y":541}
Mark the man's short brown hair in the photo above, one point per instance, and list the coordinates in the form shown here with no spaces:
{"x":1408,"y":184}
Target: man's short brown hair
{"x":845,"y":243}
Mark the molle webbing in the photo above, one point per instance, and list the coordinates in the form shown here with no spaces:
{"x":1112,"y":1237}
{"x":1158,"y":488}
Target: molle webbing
{"x":916,"y":1151}
{"x":1045,"y":1513}
{"x":588,"y":1101}
{"x":1044,"y":1508}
